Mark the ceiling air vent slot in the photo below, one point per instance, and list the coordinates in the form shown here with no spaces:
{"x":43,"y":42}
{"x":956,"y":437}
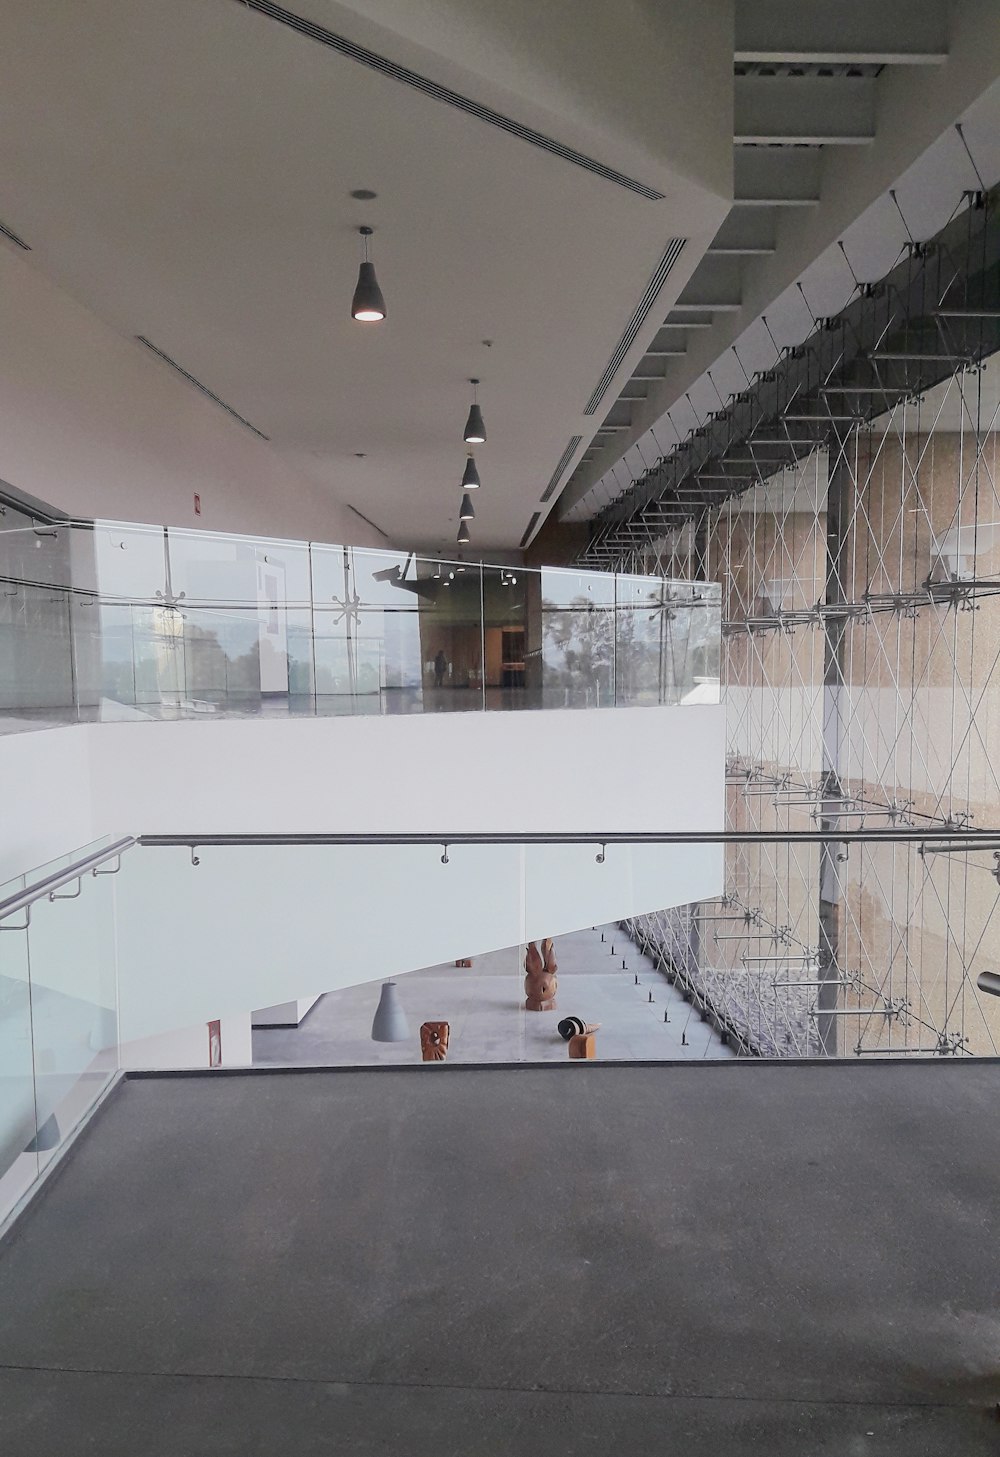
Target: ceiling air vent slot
{"x":385,"y":67}
{"x":564,"y":461}
{"x":529,"y":529}
{"x":670,"y":257}
{"x":199,"y":386}
{"x":9,"y":233}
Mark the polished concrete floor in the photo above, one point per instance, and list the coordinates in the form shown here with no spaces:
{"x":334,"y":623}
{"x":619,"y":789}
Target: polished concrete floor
{"x":606,"y":980}
{"x":709,"y":1259}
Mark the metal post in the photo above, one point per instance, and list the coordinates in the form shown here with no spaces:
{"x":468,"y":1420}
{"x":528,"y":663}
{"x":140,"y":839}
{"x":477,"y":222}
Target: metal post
{"x":837,"y":518}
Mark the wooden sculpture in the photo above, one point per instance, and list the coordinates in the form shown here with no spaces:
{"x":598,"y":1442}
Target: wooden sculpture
{"x":540,"y":983}
{"x":434,"y":1041}
{"x":583,"y":1045}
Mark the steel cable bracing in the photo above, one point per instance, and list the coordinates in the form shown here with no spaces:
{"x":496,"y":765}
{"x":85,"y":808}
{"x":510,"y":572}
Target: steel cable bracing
{"x":891,"y":400}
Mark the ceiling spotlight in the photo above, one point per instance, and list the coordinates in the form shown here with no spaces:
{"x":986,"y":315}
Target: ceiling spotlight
{"x":463,"y":534}
{"x":475,"y":430}
{"x":466,"y":513}
{"x":470,"y":480}
{"x":368,"y":306}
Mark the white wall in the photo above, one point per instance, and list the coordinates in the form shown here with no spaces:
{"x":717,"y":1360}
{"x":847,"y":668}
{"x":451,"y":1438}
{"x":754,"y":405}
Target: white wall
{"x":46,"y":800}
{"x":94,"y":424}
{"x":588,"y":769}
{"x":283,"y":1014}
{"x":626,"y":769}
{"x":188,"y":1046}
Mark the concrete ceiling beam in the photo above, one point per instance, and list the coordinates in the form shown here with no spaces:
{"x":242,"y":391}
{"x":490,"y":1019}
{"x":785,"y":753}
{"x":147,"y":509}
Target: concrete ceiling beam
{"x":890,"y":32}
{"x":745,"y":232}
{"x":618,"y":417}
{"x":715,"y":284}
{"x":815,"y":110}
{"x":775,"y":177}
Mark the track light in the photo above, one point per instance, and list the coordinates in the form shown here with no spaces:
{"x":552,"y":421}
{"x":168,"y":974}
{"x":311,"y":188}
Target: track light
{"x":470,"y":480}
{"x":368,"y":306}
{"x":475,"y":430}
{"x":463,"y":534}
{"x":466,"y":513}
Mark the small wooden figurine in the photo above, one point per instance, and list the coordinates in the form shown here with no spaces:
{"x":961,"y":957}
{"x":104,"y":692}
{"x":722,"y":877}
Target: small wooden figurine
{"x":434,"y":1041}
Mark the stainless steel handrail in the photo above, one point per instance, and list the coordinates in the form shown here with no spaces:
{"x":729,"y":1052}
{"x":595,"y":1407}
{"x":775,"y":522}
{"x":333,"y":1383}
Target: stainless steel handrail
{"x":44,"y":887}
{"x":940,"y":839}
{"x":937,"y":841}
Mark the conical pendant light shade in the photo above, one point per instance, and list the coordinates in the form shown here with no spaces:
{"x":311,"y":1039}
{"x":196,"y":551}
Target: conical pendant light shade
{"x":475,"y":430}
{"x":466,"y":513}
{"x":390,"y":1023}
{"x":463,"y":534}
{"x":470,"y":480}
{"x":369,"y":305}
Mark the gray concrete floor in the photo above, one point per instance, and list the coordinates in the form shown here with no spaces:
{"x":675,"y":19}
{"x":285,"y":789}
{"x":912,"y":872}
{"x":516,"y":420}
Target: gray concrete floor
{"x":705,"y":1260}
{"x":484,"y":1005}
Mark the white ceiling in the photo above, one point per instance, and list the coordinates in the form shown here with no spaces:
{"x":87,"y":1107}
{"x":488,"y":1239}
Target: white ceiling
{"x":184,"y":169}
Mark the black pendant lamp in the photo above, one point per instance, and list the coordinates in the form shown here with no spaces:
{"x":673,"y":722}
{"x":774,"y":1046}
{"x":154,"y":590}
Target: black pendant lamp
{"x":470,"y":480}
{"x":368,"y":305}
{"x":463,"y":534}
{"x":466,"y":513}
{"x":475,"y":430}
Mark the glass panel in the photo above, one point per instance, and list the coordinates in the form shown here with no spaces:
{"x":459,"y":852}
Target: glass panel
{"x":451,"y":635}
{"x":18,"y":1159}
{"x":650,"y":642}
{"x":71,"y":947}
{"x":395,"y":633}
{"x":244,"y":608}
{"x":702,"y":683}
{"x":513,"y":677}
{"x":36,"y":660}
{"x":136,"y":668}
{"x":59,"y":862}
{"x":574,"y":632}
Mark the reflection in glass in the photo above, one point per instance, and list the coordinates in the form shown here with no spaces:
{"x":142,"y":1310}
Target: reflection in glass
{"x":511,"y":674}
{"x":116,"y":621}
{"x":576,"y":626}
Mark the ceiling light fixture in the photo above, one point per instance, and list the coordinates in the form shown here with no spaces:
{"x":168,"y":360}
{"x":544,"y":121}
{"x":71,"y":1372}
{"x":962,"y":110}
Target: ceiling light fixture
{"x":463,"y":534}
{"x":470,"y":480}
{"x":368,"y":305}
{"x":466,"y":513}
{"x":475,"y":430}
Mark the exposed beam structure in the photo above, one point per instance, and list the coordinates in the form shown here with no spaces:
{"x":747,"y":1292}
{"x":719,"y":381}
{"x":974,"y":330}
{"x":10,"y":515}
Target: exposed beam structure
{"x":936,"y":311}
{"x":886,"y":33}
{"x":804,"y":110}
{"x":772,"y":177}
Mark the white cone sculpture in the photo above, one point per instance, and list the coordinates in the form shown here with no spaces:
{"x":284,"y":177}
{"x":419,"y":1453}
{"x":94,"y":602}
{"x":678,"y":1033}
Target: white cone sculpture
{"x":390,"y":1023}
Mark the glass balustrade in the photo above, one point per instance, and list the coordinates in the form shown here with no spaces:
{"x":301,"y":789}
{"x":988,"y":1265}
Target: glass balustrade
{"x":666,"y":947}
{"x":108,"y":620}
{"x":58,"y":1014}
